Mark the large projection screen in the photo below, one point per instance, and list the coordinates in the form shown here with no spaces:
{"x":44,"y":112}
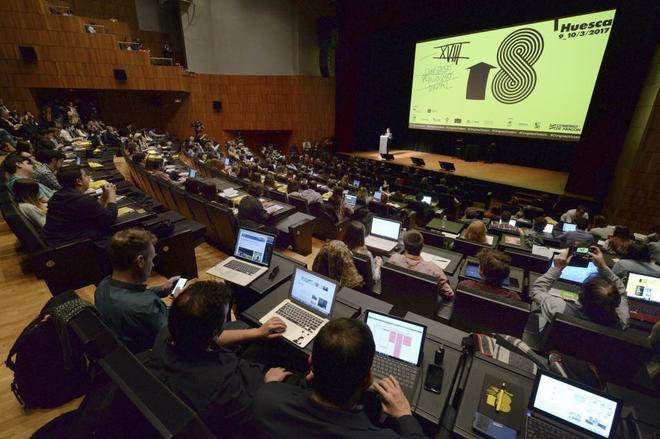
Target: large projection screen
{"x":531,"y":80}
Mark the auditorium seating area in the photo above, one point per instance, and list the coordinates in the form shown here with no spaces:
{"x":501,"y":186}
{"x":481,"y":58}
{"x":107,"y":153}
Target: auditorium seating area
{"x":183,"y":165}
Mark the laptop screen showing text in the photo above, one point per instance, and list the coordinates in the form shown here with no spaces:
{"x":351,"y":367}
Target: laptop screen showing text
{"x":566,"y":227}
{"x":578,"y":274}
{"x":396,"y":338}
{"x":548,"y":228}
{"x":385,"y":228}
{"x":575,"y":406}
{"x":351,"y":200}
{"x":254,"y":247}
{"x":313,"y":291}
{"x":643,"y":287}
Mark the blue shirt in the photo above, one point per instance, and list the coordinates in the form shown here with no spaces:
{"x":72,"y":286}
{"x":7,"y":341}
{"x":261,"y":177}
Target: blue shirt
{"x":44,"y":192}
{"x":133,"y":311}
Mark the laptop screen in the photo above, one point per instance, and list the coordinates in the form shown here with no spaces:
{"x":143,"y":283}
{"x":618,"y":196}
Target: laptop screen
{"x":397,"y":338}
{"x":313,"y":291}
{"x":254,"y":247}
{"x":426,"y":199}
{"x":548,"y":228}
{"x":356,"y":183}
{"x":227,"y":161}
{"x":575,"y":407}
{"x":578,"y":274}
{"x":192,"y":173}
{"x":643,"y":287}
{"x":566,"y":227}
{"x":386,"y":228}
{"x":512,"y":223}
{"x":351,"y":199}
{"x":377,"y":195}
{"x":472,"y":270}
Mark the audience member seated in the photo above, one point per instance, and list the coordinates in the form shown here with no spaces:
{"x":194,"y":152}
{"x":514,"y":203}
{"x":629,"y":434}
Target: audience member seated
{"x":26,"y":192}
{"x":354,"y":239}
{"x":535,"y":235}
{"x":308,"y":192}
{"x":47,"y":164}
{"x":573,"y":214}
{"x":578,"y":236}
{"x":72,"y":214}
{"x":337,"y":405}
{"x":411,"y":259}
{"x":19,"y":167}
{"x":636,"y":260}
{"x":212,"y":380}
{"x":600,"y":229}
{"x":476,"y":231}
{"x":335,"y":260}
{"x":423,"y":212}
{"x":136,"y":313}
{"x":293,"y":188}
{"x":602,"y":298}
{"x":494,"y":269}
{"x":619,"y":242}
{"x":337,"y":206}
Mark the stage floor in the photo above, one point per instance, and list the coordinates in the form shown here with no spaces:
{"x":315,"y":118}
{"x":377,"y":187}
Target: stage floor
{"x":513,"y":175}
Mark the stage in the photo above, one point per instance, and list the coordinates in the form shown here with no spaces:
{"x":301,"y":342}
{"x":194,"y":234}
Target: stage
{"x":513,"y":175}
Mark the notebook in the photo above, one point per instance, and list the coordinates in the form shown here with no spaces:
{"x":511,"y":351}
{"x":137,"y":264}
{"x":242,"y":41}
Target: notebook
{"x":308,"y":307}
{"x":643,"y":293}
{"x":383,"y":234}
{"x":251,"y":259}
{"x":399,"y":349}
{"x":560,"y":407}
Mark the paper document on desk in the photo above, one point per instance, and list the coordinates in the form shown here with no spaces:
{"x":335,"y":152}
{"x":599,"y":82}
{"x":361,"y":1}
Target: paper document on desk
{"x":230,"y":192}
{"x":94,"y":165}
{"x":274,"y":208}
{"x":124,"y":211}
{"x":450,"y":235}
{"x":548,"y":252}
{"x":442,"y":262}
{"x":566,"y":295}
{"x":98,"y":184}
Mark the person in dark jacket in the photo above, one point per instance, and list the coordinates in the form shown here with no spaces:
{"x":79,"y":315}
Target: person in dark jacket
{"x":73,"y":214}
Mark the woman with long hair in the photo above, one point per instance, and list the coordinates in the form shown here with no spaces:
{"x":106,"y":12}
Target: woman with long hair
{"x":335,"y":261}
{"x":354,"y":240}
{"x":26,"y":192}
{"x":476,"y":231}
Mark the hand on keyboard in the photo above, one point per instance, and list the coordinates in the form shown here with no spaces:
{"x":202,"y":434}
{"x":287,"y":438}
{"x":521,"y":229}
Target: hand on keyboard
{"x":276,"y":374}
{"x":273,"y":328}
{"x":394,"y":401}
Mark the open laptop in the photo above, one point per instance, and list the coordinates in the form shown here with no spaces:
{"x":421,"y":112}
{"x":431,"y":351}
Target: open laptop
{"x":571,"y":280}
{"x":356,"y":183}
{"x":378,"y":195}
{"x":427,"y":199}
{"x":351,"y":199}
{"x":192,"y":173}
{"x":308,"y":307}
{"x":548,"y":229}
{"x":643,"y":293}
{"x":399,"y":349}
{"x":383,"y":234}
{"x":251,"y":258}
{"x":563,"y":408}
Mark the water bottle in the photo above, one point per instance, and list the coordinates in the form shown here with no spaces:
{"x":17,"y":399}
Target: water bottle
{"x":444,"y":221}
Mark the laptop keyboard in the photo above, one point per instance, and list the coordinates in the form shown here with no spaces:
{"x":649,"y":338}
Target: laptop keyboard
{"x":537,"y":428}
{"x":300,"y":317}
{"x":381,"y":243}
{"x":242,"y":267}
{"x":384,"y":366}
{"x":644,"y":308}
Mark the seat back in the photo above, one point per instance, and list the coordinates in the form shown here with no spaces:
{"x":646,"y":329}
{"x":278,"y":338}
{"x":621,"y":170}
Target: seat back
{"x":175,"y":254}
{"x":299,"y":203}
{"x":276,"y":195}
{"x":528,"y":261}
{"x":617,"y":354}
{"x":156,"y":188}
{"x":480,"y":311}
{"x":379,"y":209}
{"x":54,"y":266}
{"x":181,"y":202}
{"x":467,"y":247}
{"x":223,"y":220}
{"x":166,"y":191}
{"x":409,"y":291}
{"x":20,"y":226}
{"x":198,"y":208}
{"x":363,"y":265}
{"x":434,"y":239}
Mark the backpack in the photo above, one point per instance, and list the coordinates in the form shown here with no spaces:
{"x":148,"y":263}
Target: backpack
{"x":49,"y":366}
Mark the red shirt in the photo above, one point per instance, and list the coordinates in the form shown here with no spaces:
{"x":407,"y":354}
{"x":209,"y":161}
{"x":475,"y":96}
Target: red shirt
{"x":482,"y":286}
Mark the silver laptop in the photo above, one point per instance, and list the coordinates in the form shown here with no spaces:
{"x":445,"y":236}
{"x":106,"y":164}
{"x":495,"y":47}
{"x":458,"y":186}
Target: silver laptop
{"x":383,"y":234}
{"x":251,"y":258}
{"x":562,"y":408}
{"x":399,"y":349}
{"x":308,"y":307}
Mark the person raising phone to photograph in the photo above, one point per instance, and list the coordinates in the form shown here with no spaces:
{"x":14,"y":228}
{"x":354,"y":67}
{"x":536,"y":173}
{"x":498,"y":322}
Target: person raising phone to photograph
{"x":602,"y":298}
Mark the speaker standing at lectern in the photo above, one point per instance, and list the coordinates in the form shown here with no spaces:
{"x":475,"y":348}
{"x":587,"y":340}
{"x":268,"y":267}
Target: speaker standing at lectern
{"x":385,"y":141}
